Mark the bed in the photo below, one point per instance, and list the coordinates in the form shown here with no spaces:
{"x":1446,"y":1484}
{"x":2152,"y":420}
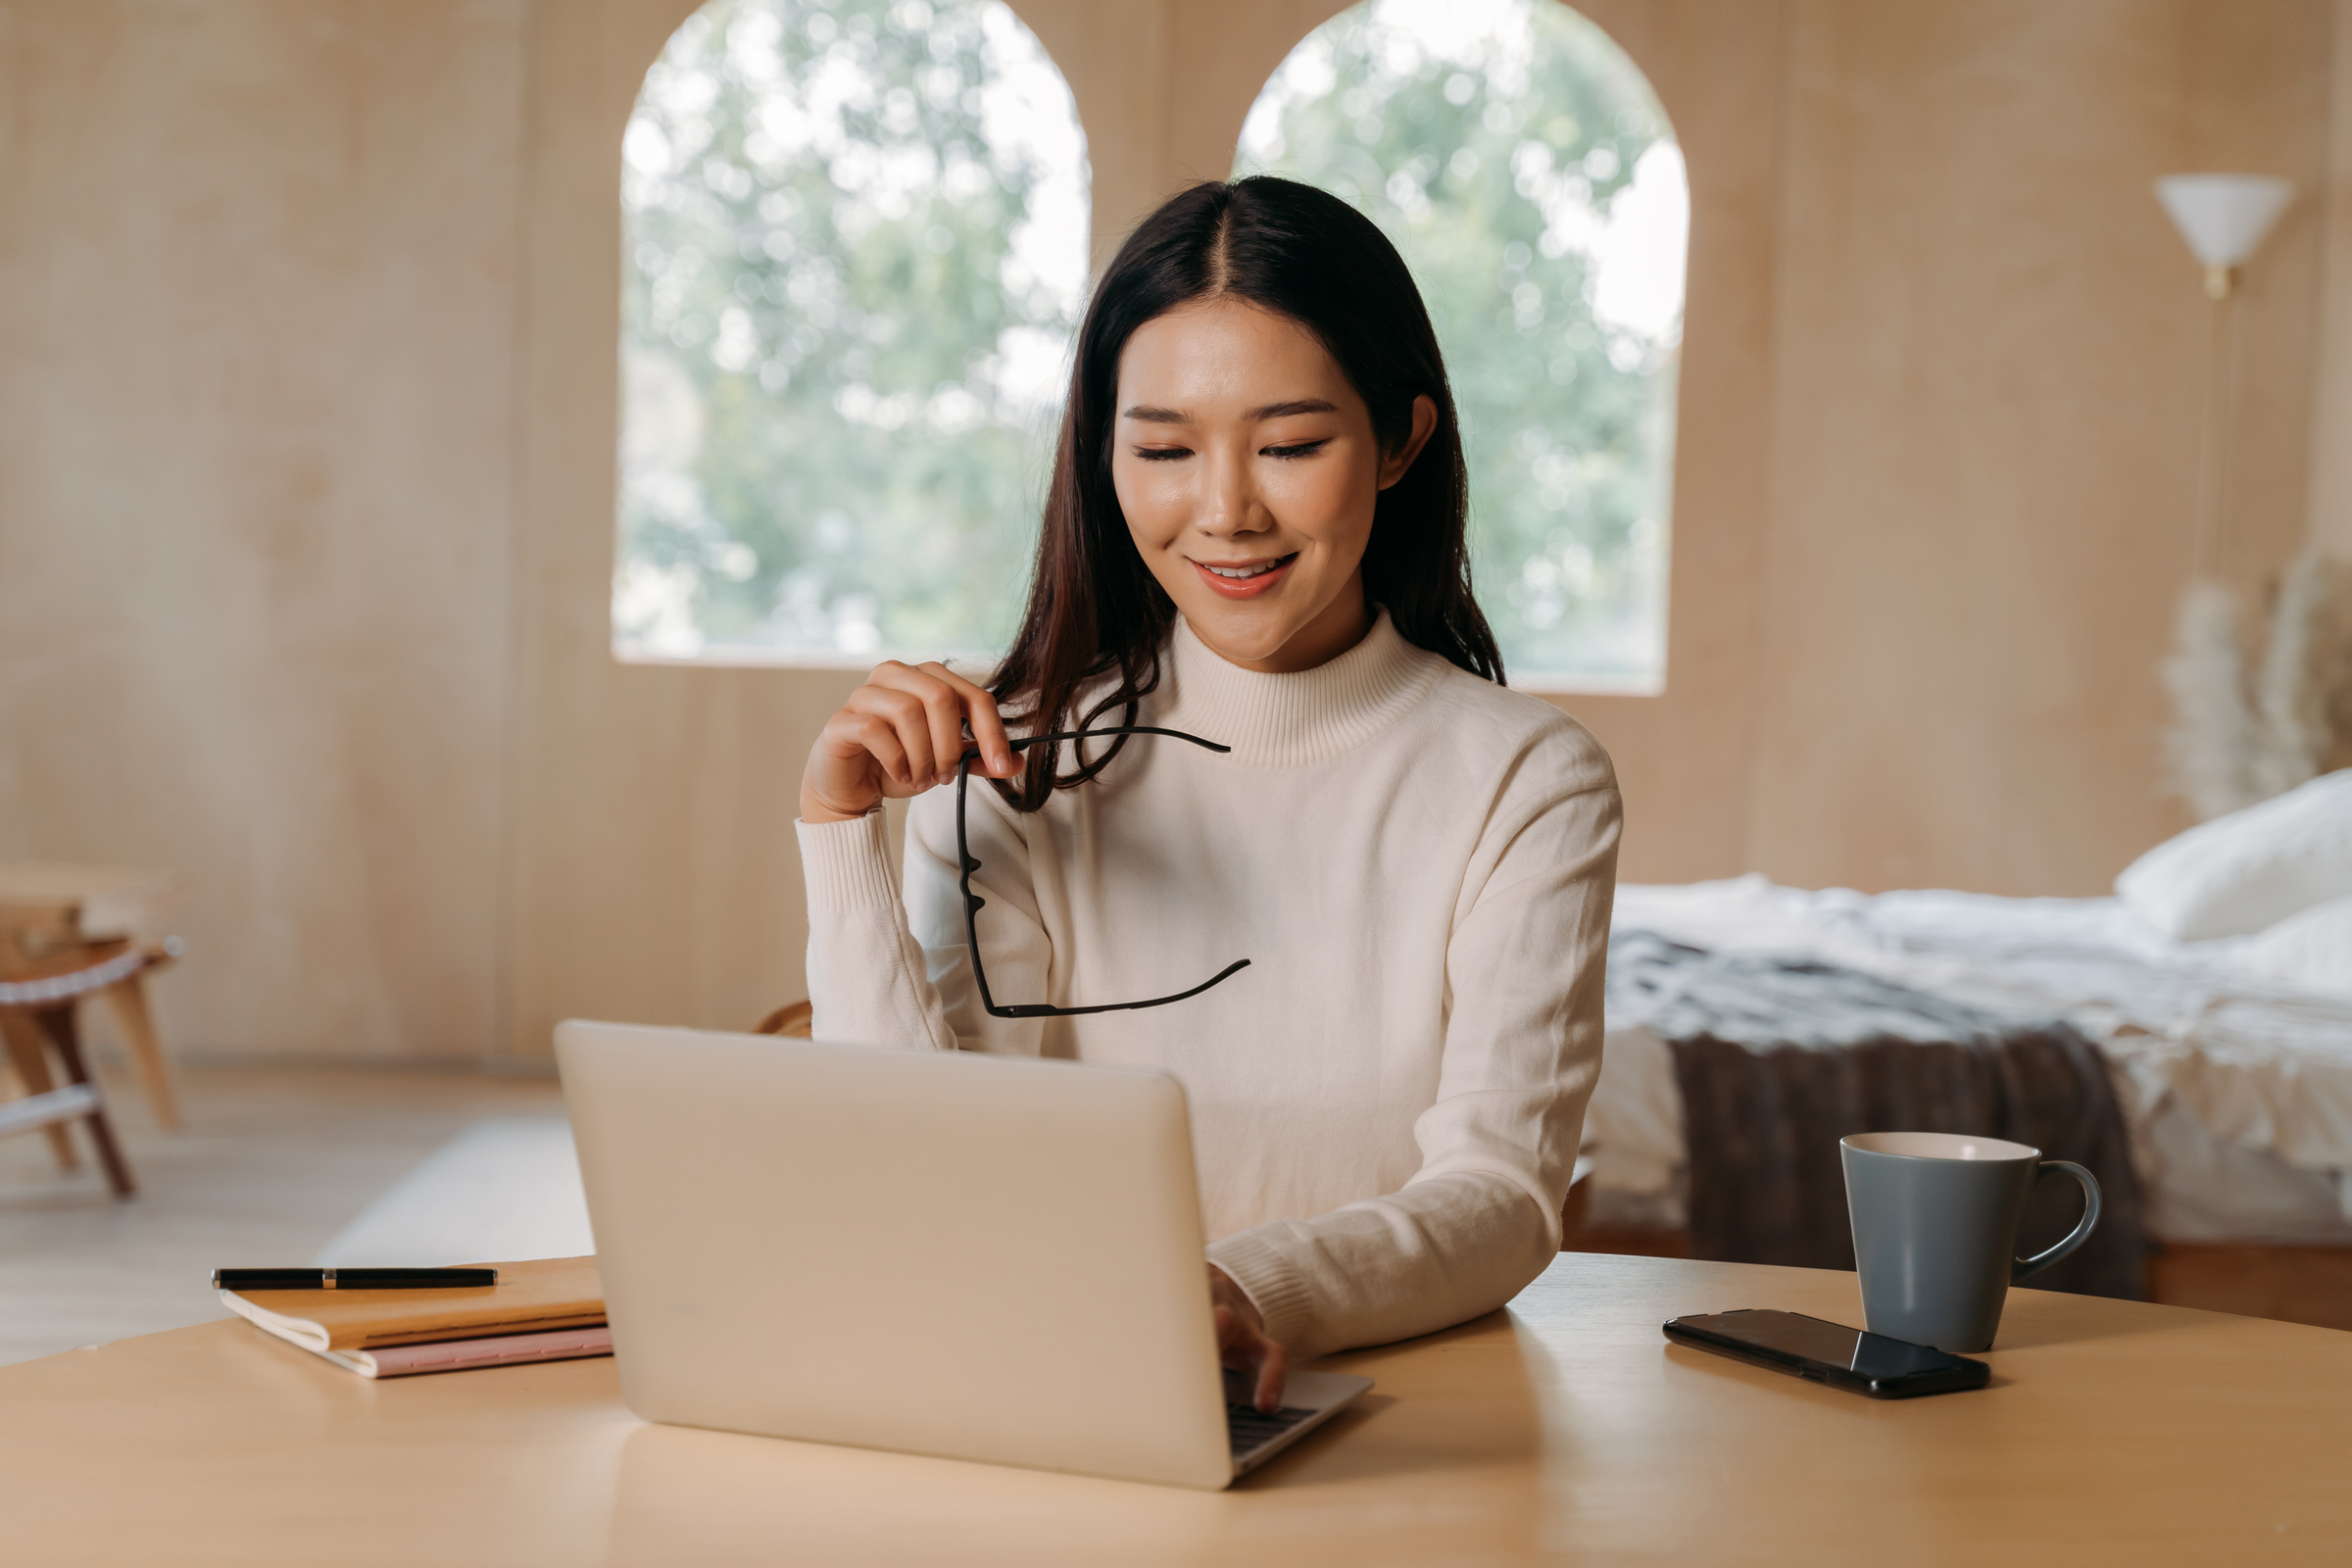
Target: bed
{"x":2236,"y":1090}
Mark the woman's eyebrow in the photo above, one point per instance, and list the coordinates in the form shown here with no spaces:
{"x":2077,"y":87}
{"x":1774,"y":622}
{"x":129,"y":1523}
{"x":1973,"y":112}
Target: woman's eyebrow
{"x":1151,"y":414}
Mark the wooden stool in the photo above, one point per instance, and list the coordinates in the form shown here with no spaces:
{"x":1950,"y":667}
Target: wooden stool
{"x":36,"y":1014}
{"x":53,"y":913}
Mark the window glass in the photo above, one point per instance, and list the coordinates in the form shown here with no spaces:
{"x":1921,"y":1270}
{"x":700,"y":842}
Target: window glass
{"x":854,"y":252}
{"x":1524,"y":167}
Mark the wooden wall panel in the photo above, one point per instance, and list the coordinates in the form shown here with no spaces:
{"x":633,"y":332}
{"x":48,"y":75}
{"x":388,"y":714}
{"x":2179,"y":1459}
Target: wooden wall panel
{"x":307,"y":417}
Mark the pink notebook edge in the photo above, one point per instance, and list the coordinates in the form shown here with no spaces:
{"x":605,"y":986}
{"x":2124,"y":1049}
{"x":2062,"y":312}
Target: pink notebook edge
{"x":459,"y":1355}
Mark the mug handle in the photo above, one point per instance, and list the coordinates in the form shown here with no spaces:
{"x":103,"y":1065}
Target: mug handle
{"x":2028,"y":1267}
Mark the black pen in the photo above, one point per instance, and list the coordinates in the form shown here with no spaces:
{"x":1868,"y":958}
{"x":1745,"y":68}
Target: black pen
{"x":352,"y":1279}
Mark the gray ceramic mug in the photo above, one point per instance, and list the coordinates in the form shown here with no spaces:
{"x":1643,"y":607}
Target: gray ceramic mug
{"x":1936,"y":1217}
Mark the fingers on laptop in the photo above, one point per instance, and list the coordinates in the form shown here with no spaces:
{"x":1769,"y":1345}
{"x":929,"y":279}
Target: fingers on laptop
{"x":1242,"y":1345}
{"x":1273,"y":1371}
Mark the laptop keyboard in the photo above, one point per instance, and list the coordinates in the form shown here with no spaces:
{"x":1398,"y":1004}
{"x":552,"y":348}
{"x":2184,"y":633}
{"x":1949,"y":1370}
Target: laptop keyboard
{"x":1248,"y":1426}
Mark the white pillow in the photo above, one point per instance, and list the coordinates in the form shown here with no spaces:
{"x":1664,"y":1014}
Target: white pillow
{"x":2312,"y":949}
{"x":2247,"y":871}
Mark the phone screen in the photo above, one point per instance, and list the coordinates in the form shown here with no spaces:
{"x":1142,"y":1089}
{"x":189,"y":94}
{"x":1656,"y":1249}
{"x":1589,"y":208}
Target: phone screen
{"x":1872,"y":1355}
{"x":1852,"y":1360}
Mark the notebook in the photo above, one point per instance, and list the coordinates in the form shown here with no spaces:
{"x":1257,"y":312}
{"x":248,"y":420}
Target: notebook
{"x":543,"y":1311}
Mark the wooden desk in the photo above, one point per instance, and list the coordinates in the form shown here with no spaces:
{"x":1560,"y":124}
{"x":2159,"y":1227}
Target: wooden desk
{"x":1567,"y":1431}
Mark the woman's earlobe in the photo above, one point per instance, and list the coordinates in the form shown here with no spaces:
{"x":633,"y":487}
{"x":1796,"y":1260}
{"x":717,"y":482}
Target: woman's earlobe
{"x":1394,"y":464}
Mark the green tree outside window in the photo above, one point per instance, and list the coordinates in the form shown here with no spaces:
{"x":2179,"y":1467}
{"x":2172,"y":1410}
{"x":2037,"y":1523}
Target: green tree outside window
{"x":1522,"y":165}
{"x":854,"y":254}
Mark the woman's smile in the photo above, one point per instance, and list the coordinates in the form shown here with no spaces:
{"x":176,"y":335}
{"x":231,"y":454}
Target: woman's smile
{"x":1244,"y":580}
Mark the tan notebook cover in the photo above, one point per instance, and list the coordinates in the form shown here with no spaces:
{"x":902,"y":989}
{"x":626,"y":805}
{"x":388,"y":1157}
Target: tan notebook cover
{"x":534,"y":1298}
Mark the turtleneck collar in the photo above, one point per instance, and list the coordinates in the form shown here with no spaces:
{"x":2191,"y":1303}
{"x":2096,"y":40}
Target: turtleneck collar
{"x":1300,"y":719}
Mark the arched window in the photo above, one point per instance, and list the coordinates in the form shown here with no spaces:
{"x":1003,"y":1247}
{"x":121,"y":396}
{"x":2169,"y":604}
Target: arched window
{"x":855,"y":256}
{"x":1523,"y":165}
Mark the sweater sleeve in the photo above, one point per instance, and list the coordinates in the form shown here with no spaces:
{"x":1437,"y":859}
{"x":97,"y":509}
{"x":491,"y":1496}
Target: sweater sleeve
{"x":1525,"y":971}
{"x":876,"y":978}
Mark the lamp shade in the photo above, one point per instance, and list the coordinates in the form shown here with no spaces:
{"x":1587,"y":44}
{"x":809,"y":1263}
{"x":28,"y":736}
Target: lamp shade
{"x":2224,"y":217}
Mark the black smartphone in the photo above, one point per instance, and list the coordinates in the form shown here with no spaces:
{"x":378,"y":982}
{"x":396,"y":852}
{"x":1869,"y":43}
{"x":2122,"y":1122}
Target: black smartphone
{"x":1852,"y":1360}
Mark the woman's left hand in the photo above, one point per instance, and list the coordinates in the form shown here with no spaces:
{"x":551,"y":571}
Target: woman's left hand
{"x":1242,"y":1341}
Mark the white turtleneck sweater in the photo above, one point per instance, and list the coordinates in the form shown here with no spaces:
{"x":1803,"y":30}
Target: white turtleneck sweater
{"x":1418,"y":863}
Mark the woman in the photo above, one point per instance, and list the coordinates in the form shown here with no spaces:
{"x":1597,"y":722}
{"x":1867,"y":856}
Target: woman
{"x":1254,"y":536}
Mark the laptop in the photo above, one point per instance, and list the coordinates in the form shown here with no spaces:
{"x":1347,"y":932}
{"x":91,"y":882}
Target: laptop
{"x":939,"y":1252}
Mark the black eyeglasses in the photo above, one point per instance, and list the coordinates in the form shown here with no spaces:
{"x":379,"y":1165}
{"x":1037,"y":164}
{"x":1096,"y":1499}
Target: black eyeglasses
{"x":972,"y":901}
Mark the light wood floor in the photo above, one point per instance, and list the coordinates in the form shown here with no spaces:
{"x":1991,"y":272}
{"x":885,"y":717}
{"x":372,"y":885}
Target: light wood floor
{"x":272,"y":1164}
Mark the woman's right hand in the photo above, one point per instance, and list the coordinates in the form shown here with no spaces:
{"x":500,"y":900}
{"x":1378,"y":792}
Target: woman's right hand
{"x":897,"y":735}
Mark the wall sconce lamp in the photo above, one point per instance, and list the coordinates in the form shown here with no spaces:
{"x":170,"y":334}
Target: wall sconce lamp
{"x":2223,"y":218}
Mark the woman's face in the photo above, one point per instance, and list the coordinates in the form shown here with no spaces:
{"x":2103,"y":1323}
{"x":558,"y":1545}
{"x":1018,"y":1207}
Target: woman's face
{"x":1248,"y":470}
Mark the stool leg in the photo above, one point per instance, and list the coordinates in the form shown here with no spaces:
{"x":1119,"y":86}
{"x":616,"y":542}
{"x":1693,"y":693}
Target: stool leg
{"x":129,"y":1003}
{"x":58,"y":1024}
{"x":30,"y":1056}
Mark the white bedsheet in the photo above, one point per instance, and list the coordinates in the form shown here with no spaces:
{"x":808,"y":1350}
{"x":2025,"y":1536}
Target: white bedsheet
{"x":2238,"y":1091}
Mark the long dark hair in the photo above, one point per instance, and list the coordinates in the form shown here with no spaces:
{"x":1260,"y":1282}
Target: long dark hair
{"x":1095,"y":609}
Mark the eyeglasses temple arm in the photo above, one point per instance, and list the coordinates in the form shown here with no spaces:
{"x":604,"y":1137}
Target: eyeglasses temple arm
{"x":1099,"y":734}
